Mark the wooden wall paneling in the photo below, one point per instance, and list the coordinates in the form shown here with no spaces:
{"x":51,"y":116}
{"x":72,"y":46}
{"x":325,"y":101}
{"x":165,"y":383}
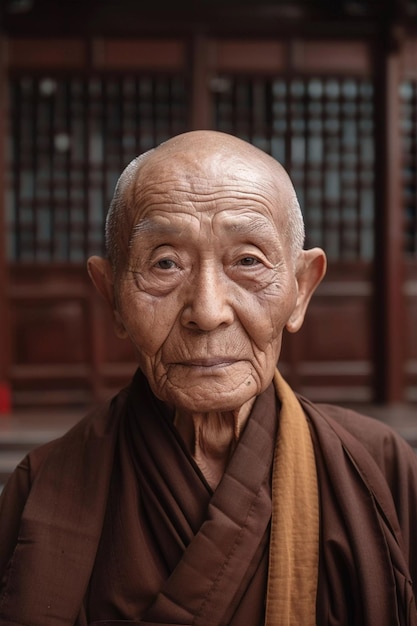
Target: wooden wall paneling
{"x":331,"y":357}
{"x":336,"y":360}
{"x":50,"y":336}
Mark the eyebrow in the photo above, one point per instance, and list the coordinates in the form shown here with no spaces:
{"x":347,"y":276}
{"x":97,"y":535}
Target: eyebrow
{"x":149,"y":226}
{"x":255,"y":226}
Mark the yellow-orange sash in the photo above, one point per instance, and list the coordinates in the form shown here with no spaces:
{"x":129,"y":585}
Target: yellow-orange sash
{"x":294,"y":547}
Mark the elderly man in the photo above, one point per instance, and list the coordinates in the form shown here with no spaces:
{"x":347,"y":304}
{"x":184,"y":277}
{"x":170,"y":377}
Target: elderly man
{"x":208,"y":493}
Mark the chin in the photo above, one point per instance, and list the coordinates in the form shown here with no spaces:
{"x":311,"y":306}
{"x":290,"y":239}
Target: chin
{"x":207,"y":400}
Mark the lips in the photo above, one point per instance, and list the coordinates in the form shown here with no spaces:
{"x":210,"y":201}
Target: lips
{"x":208,"y":362}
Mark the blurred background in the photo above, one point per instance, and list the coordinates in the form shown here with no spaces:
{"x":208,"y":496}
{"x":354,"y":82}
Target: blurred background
{"x":328,"y":87}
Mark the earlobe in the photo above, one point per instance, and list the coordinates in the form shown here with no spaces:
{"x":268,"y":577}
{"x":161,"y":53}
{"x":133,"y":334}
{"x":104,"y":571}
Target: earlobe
{"x":311,"y":269}
{"x":119,"y":327}
{"x":101,"y":274}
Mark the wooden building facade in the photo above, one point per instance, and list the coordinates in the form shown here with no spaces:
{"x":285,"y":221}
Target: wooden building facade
{"x":329,"y":89}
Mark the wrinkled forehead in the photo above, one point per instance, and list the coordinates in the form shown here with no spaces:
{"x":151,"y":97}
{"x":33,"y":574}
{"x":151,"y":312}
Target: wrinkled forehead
{"x":205,"y":179}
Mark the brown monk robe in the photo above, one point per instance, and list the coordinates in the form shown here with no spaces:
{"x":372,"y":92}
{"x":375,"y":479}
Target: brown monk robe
{"x":158,"y":501}
{"x":156,"y":546}
{"x":207,"y":494}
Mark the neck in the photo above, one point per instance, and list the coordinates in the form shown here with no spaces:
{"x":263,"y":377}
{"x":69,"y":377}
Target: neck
{"x":212,"y":437}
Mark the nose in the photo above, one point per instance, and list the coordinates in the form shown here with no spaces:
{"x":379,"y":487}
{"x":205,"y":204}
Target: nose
{"x":208,"y":301}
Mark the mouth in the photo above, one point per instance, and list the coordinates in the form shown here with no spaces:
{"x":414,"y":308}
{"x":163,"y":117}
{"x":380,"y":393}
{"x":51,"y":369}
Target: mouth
{"x":208,"y":363}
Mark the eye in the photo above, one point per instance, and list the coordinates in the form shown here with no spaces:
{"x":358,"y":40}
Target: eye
{"x":248,"y":261}
{"x":166,"y":264}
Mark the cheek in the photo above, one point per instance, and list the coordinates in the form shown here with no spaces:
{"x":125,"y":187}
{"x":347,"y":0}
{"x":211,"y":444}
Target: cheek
{"x":266,"y":337}
{"x":268,"y":316}
{"x":148,"y":321}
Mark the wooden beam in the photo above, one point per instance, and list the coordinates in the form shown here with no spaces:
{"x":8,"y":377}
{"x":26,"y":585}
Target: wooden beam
{"x":389,"y":263}
{"x":5,"y":390}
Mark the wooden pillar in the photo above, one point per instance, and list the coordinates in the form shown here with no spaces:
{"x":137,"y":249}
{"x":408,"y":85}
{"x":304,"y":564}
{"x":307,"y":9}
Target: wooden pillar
{"x":389,"y":263}
{"x":199,"y":76}
{"x":5,"y":351}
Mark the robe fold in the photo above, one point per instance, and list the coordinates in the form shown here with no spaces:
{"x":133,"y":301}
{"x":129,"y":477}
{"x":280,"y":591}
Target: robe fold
{"x":114,"y":523}
{"x":197,"y":557}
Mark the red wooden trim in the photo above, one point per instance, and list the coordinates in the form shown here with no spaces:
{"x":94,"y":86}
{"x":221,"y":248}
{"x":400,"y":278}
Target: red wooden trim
{"x":342,"y":57}
{"x":149,"y":54}
{"x":46,"y":53}
{"x":247,"y":55}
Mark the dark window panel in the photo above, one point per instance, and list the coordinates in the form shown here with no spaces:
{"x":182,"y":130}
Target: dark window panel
{"x":321,"y":129}
{"x":408,"y":94}
{"x":70,"y":139}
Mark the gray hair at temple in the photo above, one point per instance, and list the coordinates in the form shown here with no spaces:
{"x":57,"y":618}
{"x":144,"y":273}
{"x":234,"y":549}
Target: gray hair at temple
{"x":122,"y":210}
{"x":119,"y":221}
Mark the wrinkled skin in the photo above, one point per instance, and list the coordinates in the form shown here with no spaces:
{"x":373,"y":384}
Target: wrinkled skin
{"x":210,"y":284}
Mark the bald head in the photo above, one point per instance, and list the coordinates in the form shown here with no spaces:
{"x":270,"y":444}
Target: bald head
{"x":217,"y":161}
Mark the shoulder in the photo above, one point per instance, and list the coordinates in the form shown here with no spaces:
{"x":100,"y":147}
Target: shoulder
{"x":99,"y":423}
{"x":393,"y":455}
{"x":58,"y":458}
{"x":376,"y":436}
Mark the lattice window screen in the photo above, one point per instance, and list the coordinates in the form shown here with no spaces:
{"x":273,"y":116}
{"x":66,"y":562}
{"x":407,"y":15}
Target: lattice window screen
{"x":321,"y":129}
{"x":408,"y":94}
{"x":70,"y":138}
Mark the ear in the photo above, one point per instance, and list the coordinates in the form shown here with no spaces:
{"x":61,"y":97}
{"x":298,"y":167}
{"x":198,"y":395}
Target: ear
{"x":311,"y":268}
{"x":101,"y":274}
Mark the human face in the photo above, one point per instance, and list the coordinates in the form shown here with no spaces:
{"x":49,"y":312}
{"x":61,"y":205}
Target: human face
{"x":209,"y":286}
